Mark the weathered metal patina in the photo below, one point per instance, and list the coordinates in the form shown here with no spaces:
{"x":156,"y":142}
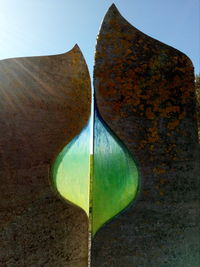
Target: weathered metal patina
{"x":144,"y":91}
{"x":144,"y":113}
{"x":44,"y":102}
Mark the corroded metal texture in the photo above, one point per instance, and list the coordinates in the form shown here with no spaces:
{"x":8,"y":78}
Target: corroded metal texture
{"x":44,"y":104}
{"x":144,"y":91}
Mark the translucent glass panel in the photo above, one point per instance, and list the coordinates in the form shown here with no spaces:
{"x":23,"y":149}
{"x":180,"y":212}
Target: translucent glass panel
{"x":115,"y":177}
{"x":71,"y":171}
{"x":105,"y":183}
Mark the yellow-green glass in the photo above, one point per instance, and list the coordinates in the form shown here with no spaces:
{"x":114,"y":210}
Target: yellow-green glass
{"x":115,"y":176}
{"x":71,"y":171}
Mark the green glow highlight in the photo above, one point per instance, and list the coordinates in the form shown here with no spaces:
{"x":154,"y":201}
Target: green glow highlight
{"x":102,"y":184}
{"x":71,"y":171}
{"x":115,"y":178}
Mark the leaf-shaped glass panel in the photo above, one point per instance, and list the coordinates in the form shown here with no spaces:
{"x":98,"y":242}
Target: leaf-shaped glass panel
{"x":115,"y":179}
{"x":71,"y":171}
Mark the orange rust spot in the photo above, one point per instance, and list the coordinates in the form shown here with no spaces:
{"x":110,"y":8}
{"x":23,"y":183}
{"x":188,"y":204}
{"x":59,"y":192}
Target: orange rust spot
{"x":153,"y":135}
{"x":141,"y":107}
{"x":182,"y":115}
{"x":111,"y":84}
{"x":172,"y":125}
{"x":166,"y":112}
{"x":117,"y":107}
{"x":163,"y":181}
{"x":170,"y":148}
{"x":158,"y":170}
{"x":149,"y":114}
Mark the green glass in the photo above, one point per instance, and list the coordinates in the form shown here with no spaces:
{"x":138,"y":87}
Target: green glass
{"x":71,"y":171}
{"x":103,"y":184}
{"x":115,"y":176}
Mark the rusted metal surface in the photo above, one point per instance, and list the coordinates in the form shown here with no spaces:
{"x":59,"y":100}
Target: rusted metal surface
{"x":44,"y":103}
{"x":144,"y":91}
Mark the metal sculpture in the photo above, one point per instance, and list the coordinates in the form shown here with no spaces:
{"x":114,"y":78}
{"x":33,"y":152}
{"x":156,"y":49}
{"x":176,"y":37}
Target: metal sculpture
{"x":144,"y":92}
{"x":144,"y":126}
{"x":44,"y":103}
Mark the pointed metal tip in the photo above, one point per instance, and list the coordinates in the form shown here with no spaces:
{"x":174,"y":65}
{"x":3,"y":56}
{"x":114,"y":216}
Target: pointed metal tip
{"x":76,"y":47}
{"x":112,"y":11}
{"x":113,"y":8}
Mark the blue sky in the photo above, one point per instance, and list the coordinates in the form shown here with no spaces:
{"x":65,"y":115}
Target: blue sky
{"x":45,"y":27}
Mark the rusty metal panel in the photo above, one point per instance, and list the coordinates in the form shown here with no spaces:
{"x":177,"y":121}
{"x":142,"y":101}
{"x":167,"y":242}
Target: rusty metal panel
{"x":44,"y":103}
{"x":144,"y":91}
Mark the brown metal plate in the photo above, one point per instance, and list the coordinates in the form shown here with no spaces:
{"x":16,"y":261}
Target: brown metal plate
{"x":44,"y":103}
{"x":144,"y":91}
